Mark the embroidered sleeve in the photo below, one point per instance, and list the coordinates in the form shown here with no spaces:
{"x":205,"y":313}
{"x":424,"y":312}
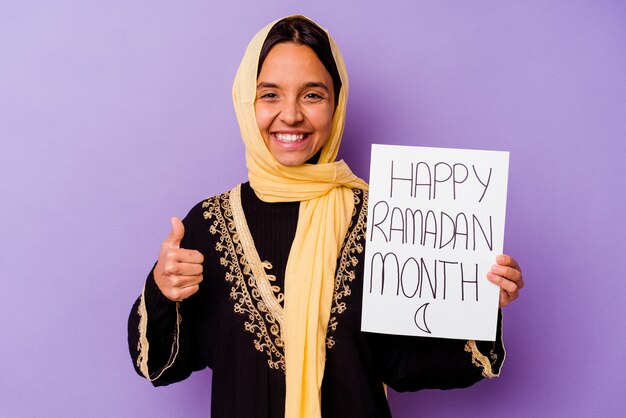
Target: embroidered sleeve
{"x":160,"y":332}
{"x":414,"y":363}
{"x":486,"y":355}
{"x":143,"y":345}
{"x":156,"y":343}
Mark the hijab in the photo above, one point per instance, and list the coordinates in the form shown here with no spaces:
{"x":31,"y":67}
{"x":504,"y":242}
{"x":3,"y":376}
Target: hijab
{"x":324,"y":191}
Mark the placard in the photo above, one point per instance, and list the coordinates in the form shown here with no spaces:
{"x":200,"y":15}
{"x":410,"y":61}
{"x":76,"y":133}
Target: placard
{"x":435,"y":225}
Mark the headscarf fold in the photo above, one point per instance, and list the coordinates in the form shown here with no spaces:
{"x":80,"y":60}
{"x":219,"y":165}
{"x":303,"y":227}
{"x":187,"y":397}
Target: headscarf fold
{"x":326,"y":205}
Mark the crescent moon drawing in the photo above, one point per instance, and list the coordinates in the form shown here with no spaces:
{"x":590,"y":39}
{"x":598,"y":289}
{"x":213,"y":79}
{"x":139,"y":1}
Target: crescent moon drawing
{"x":420,"y":321}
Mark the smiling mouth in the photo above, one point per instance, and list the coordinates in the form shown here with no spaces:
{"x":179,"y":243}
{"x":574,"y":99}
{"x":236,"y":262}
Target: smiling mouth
{"x":290,"y":138}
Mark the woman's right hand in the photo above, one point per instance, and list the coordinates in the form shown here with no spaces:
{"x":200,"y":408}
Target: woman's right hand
{"x":178,"y":271}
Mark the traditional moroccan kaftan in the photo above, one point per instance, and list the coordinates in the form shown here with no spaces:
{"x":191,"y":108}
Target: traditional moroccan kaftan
{"x":233,"y":323}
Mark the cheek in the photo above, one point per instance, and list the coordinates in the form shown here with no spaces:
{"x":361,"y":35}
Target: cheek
{"x":324,"y":121}
{"x":263,"y":117}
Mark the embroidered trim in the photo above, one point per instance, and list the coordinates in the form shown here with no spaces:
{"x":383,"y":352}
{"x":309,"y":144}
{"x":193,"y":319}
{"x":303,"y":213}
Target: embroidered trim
{"x":252,"y":291}
{"x":486,"y":363}
{"x":143,"y":345}
{"x":348,"y":260}
{"x":271,"y":295}
{"x":247,"y":297}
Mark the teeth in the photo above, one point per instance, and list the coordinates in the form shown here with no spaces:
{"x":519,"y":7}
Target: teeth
{"x":290,"y":137}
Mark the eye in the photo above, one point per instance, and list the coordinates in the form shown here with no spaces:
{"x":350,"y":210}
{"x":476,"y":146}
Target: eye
{"x":268,"y":96}
{"x":313,"y":96}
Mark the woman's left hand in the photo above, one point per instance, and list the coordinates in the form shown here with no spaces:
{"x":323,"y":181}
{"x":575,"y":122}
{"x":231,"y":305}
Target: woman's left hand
{"x":507,"y":274}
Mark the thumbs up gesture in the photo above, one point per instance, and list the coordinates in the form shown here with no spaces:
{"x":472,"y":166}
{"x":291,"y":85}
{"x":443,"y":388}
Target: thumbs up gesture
{"x":178,"y":271}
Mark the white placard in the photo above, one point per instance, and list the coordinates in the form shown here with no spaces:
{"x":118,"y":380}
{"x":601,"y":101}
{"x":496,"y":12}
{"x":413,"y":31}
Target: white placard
{"x":435,"y":225}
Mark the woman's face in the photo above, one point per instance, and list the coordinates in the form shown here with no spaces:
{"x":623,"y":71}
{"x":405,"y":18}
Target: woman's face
{"x":294,"y":103}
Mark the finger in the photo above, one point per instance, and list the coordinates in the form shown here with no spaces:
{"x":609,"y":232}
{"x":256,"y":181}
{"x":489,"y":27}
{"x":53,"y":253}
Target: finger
{"x":181,"y":282}
{"x":188,"y":256}
{"x":516,"y":274}
{"x":176,"y":235}
{"x":180,"y":294}
{"x":504,"y":284}
{"x":504,"y":298}
{"x":183,"y":269}
{"x":195,"y":280}
{"x":181,"y":255}
{"x":507,"y":260}
{"x":508,"y":273}
{"x":520,"y":282}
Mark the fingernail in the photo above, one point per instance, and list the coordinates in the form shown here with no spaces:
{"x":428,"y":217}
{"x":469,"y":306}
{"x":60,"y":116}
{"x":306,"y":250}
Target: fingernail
{"x":501,"y":259}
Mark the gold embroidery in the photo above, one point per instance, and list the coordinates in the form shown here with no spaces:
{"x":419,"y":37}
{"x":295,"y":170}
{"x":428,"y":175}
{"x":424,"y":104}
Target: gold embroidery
{"x":271,"y":295}
{"x":348,"y":260}
{"x":247,"y":297}
{"x":482,"y":361}
{"x":143,"y":345}
{"x":252,"y":291}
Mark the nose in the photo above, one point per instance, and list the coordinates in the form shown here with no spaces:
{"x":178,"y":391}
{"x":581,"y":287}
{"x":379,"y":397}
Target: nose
{"x":291,"y":113}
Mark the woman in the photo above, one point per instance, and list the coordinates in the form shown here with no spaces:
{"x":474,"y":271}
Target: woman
{"x":263,"y":283}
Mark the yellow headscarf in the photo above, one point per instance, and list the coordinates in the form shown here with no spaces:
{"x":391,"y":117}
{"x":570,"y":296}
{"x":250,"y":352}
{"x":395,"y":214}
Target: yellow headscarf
{"x":327,"y":202}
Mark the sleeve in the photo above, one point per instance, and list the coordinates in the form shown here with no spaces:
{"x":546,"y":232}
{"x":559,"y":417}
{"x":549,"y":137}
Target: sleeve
{"x":161,"y":332}
{"x":414,"y":363}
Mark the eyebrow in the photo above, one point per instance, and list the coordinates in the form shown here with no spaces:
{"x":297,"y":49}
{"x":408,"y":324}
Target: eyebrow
{"x":318,"y":84}
{"x":264,"y":85}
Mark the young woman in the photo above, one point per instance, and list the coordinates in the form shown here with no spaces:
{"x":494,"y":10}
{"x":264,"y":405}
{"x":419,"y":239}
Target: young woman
{"x":263,"y":283}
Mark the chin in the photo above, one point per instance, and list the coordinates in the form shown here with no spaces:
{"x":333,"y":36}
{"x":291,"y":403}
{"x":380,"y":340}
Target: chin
{"x":291,"y":163}
{"x":292,"y":160}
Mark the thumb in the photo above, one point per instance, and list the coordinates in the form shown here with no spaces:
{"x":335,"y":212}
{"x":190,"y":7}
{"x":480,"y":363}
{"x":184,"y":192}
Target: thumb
{"x":176,"y":236}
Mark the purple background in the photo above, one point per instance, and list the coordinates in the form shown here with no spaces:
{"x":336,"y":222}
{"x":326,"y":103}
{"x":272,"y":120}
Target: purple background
{"x":115,"y":115}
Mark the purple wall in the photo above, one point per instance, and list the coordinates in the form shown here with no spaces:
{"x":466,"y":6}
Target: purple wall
{"x":115,"y":115}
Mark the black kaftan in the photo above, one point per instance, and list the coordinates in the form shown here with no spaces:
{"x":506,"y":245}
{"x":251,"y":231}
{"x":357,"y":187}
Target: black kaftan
{"x":227,"y":326}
